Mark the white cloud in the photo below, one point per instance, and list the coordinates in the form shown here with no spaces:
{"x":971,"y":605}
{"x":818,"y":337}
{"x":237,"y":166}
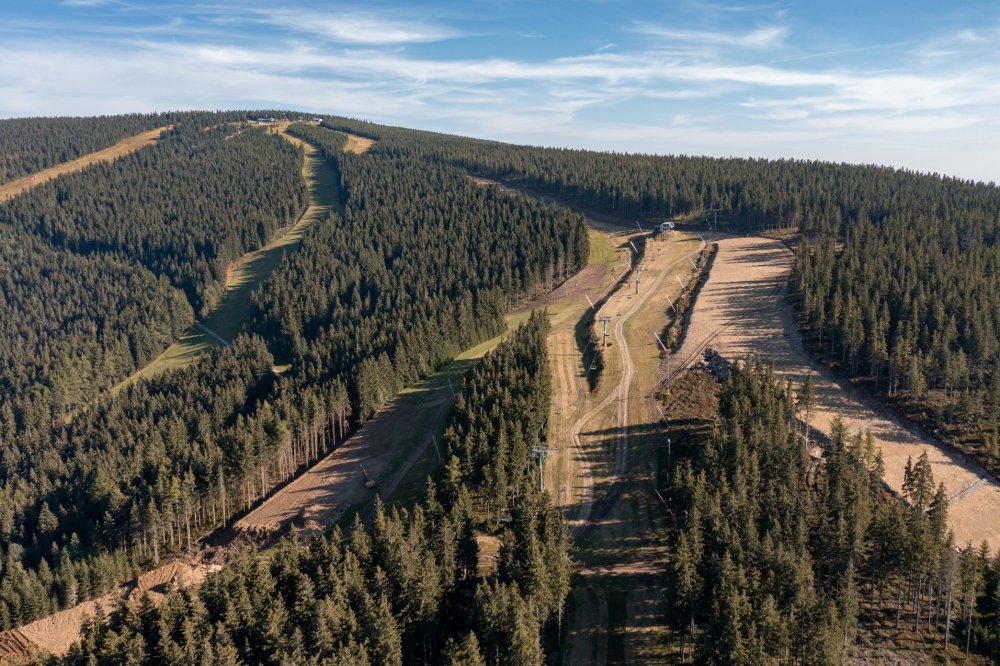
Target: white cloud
{"x":690,"y":93}
{"x":357,"y":27}
{"x":762,"y":38}
{"x":95,"y":3}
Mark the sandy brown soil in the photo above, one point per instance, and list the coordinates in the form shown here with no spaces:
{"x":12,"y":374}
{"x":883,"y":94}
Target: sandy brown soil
{"x":742,"y":311}
{"x":568,"y":476}
{"x":56,"y":633}
{"x":384,"y":448}
{"x":11,"y":189}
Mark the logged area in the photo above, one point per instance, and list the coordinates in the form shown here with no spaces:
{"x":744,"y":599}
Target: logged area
{"x":742,"y":311}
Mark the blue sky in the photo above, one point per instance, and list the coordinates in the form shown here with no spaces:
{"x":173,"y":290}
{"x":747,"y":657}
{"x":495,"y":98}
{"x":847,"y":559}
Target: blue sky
{"x":912,"y":84}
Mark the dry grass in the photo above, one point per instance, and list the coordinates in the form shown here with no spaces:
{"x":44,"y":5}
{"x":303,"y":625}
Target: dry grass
{"x":620,"y":540}
{"x":357,"y":144}
{"x":602,"y":481}
{"x":125,"y":146}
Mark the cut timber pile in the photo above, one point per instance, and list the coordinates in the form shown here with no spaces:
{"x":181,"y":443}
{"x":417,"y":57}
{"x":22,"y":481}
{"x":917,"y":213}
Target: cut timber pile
{"x":13,"y":643}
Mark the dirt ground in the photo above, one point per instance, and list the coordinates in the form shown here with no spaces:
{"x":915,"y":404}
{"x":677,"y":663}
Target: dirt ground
{"x":620,"y":538}
{"x":391,"y":441}
{"x":56,"y":633}
{"x":742,"y":311}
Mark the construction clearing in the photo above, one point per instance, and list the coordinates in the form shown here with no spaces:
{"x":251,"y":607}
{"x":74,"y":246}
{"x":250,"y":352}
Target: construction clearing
{"x":57,"y":632}
{"x":742,"y":311}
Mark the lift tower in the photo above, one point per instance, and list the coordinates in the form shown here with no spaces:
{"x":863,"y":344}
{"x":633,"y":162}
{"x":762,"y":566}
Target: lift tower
{"x":605,"y":320}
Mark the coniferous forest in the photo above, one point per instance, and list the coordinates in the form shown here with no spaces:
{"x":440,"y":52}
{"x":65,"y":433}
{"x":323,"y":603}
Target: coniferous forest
{"x":108,"y":266}
{"x":140,"y":474}
{"x":777,"y":560}
{"x":414,"y":586}
{"x":896,"y":276}
{"x":28,"y":145}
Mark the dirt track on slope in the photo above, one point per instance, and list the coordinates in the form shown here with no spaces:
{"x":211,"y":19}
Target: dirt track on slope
{"x":11,"y":189}
{"x":605,"y":462}
{"x":742,"y":311}
{"x":383,"y":448}
{"x":621,"y":299}
{"x":57,"y":632}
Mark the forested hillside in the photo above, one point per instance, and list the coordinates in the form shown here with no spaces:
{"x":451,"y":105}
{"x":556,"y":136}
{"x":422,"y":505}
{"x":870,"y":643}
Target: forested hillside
{"x":419,"y":290}
{"x":183,"y":209}
{"x":145,"y":472}
{"x":897,"y":276}
{"x":777,"y":561}
{"x":94,"y":261}
{"x":28,"y":145}
{"x":909,"y":297}
{"x":415,"y":586}
{"x":897,"y":273}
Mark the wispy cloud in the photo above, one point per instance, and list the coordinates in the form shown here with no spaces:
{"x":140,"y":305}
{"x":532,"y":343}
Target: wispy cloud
{"x":357,"y":27}
{"x":94,"y":3}
{"x":768,"y":37}
{"x":766,"y":91}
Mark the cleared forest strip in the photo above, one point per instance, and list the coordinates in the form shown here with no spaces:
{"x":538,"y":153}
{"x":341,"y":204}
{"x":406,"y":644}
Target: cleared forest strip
{"x":620,"y":308}
{"x":393,"y":449}
{"x":57,"y":632}
{"x":248,"y":272}
{"x":617,"y":527}
{"x":12,"y":188}
{"x":619,"y":535}
{"x":742,"y":311}
{"x":357,"y":144}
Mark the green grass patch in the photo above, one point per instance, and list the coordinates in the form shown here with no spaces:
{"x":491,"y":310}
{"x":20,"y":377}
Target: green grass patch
{"x":412,"y":488}
{"x":601,"y":251}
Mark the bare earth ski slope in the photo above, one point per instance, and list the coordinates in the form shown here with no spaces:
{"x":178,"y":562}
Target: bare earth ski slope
{"x":741,"y":311}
